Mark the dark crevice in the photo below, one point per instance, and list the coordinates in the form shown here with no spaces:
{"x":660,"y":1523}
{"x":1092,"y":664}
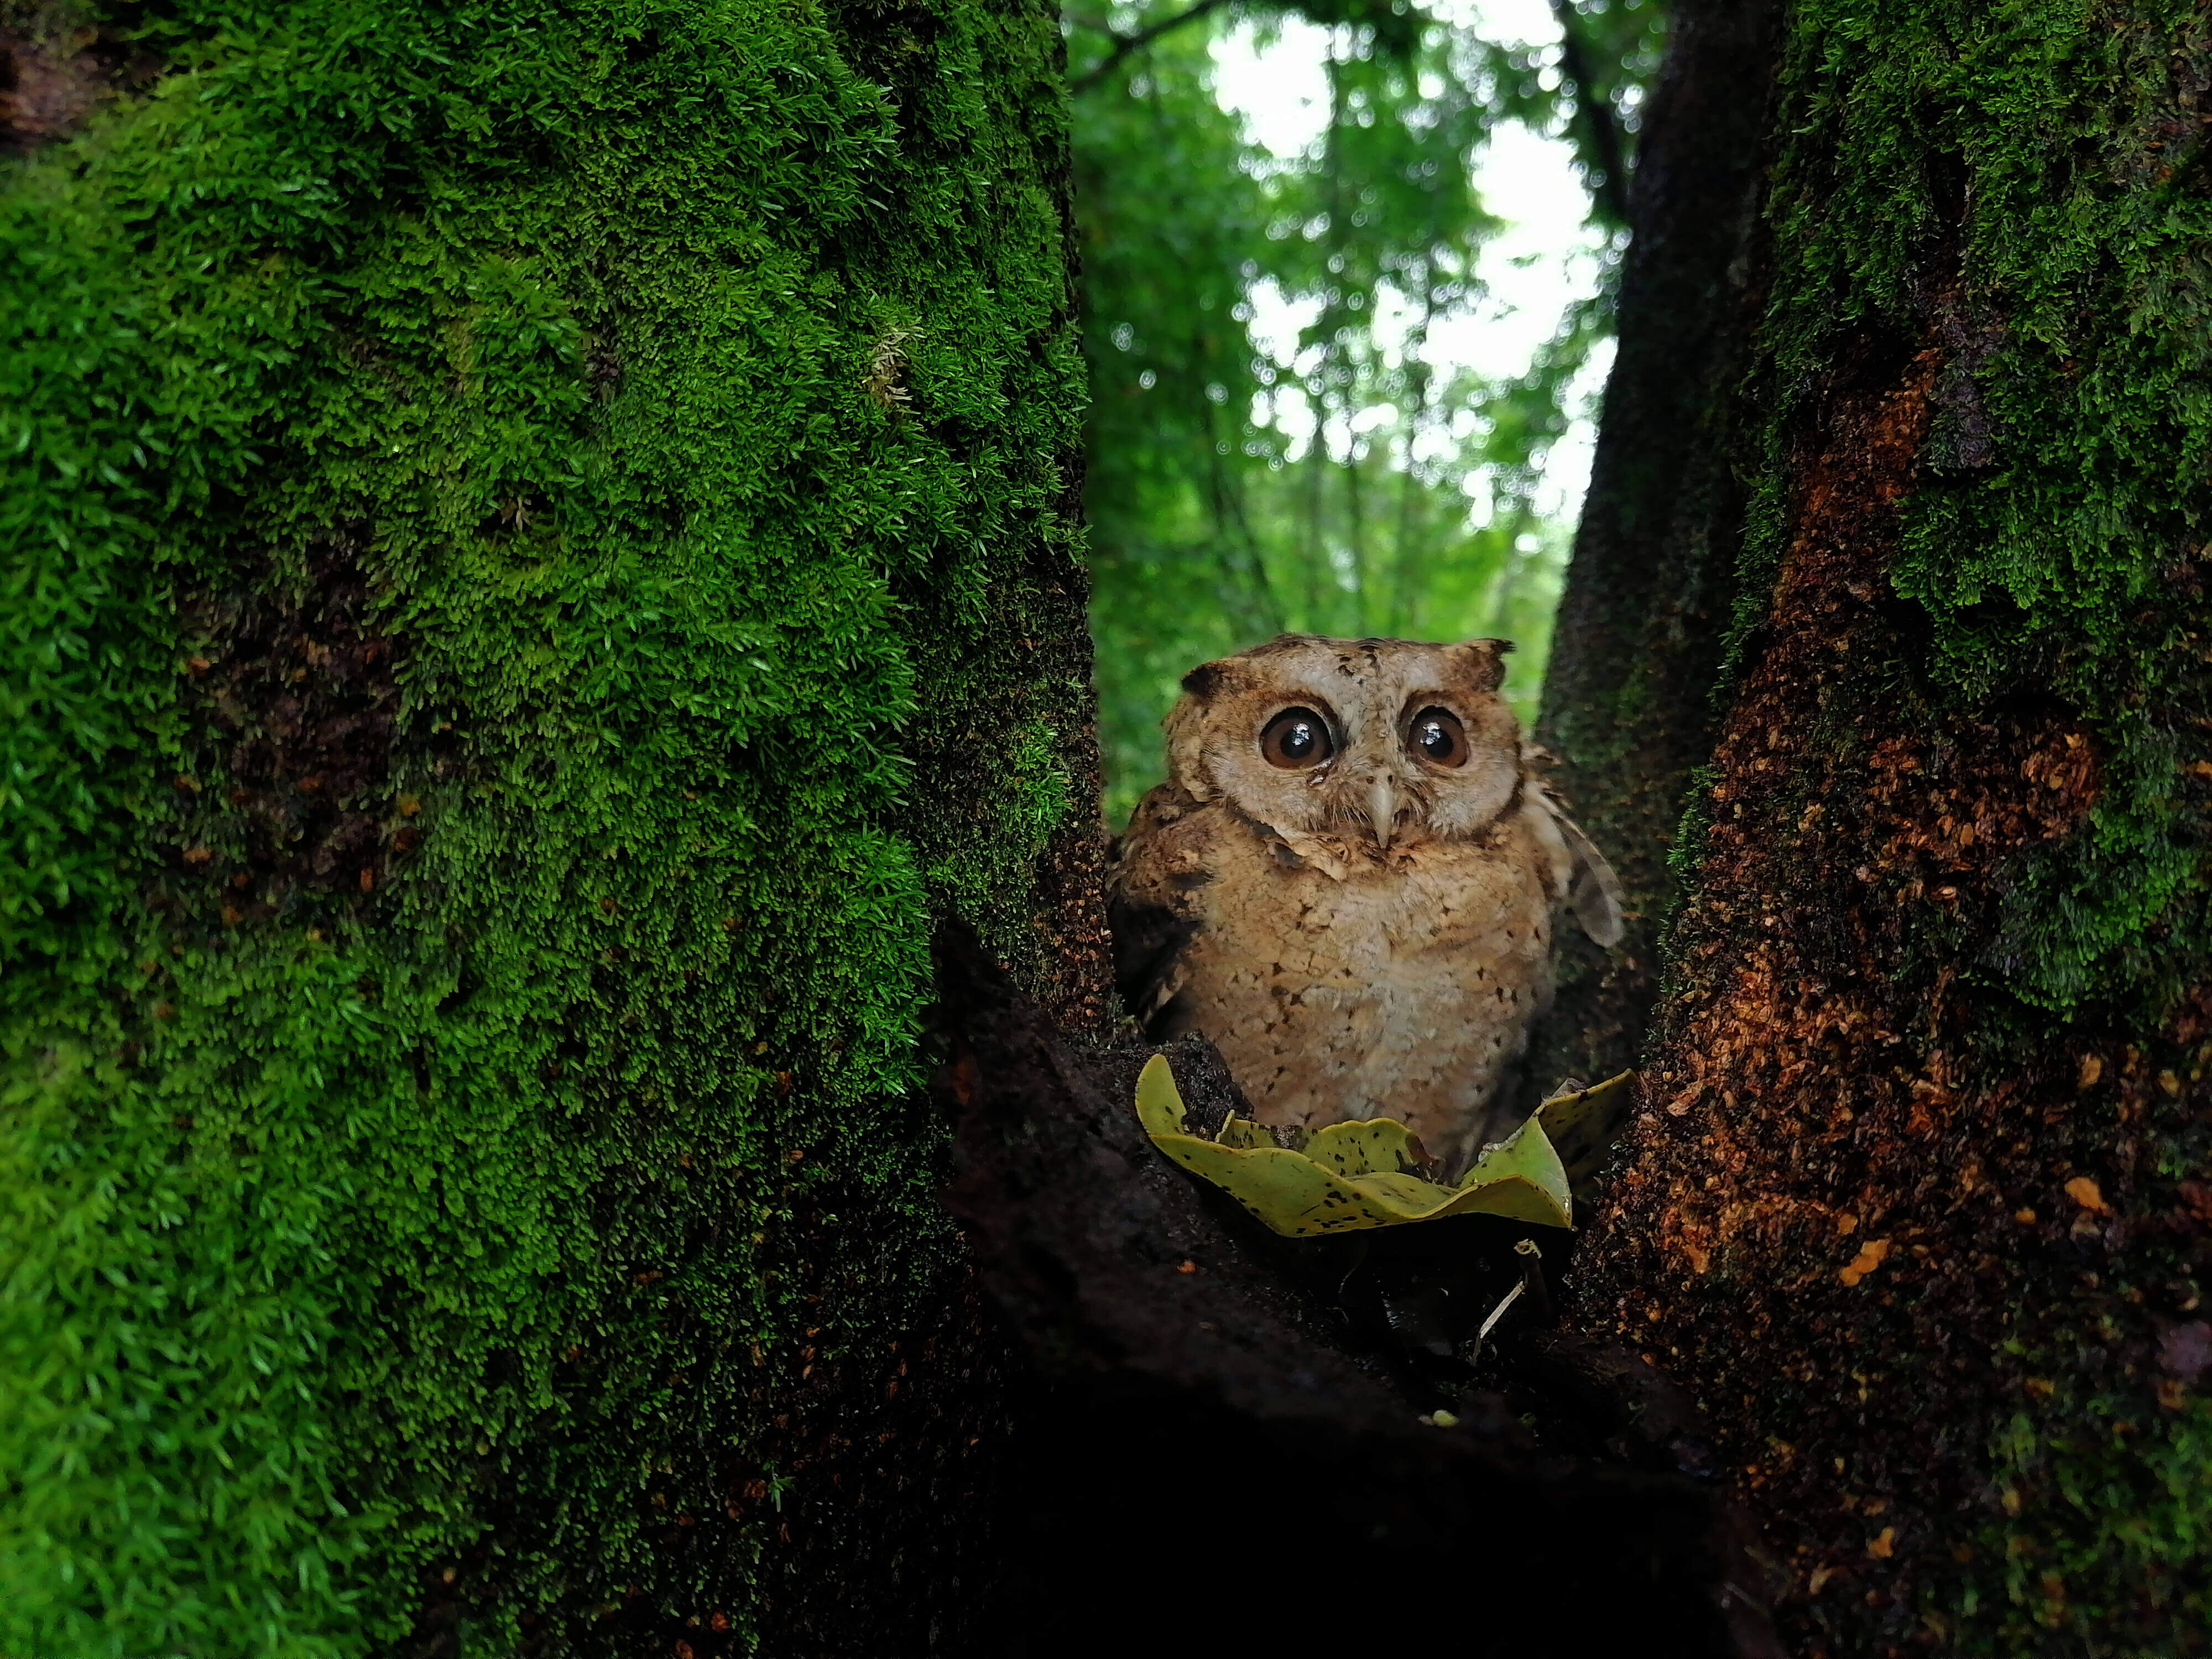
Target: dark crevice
{"x":1243,"y":1428}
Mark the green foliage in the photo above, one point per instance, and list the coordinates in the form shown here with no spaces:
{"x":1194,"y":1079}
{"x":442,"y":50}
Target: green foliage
{"x":2051,"y":550}
{"x":1210,"y":528}
{"x":691,"y":387}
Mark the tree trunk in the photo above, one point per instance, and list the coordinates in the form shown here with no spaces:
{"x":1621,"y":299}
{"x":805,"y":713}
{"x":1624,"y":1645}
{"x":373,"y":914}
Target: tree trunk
{"x":540,"y":564}
{"x":1648,"y":590}
{"x":1919,"y":1206}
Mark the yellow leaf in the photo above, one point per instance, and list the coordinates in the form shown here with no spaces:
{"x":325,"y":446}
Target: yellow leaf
{"x":1160,"y":1103}
{"x":1354,"y":1175}
{"x":1380,"y":1145}
{"x":1583,"y":1125}
{"x":1237,"y":1133}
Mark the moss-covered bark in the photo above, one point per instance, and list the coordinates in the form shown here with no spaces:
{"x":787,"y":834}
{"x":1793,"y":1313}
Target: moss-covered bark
{"x":1921,"y":1202}
{"x":538,"y":561}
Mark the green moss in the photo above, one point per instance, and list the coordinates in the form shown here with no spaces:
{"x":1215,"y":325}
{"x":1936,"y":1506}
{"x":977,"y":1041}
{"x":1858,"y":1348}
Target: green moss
{"x":2021,"y":186}
{"x":2108,"y":1553}
{"x":1030,"y":778}
{"x":2031,"y":163}
{"x":352,"y":1234}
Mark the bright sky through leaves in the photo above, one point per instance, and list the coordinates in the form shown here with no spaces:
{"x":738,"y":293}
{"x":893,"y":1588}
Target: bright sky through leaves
{"x":1271,"y":75}
{"x":1346,"y":319}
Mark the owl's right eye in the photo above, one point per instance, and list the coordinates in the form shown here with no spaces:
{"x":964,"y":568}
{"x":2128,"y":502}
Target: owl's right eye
{"x":1296,"y":739}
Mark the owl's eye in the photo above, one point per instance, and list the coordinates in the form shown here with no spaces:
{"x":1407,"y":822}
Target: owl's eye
{"x":1297,"y":739}
{"x":1438,"y":738}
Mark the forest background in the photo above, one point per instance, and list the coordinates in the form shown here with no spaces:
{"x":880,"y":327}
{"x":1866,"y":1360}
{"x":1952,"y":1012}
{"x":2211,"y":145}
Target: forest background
{"x":1337,"y":386}
{"x":546,"y":566}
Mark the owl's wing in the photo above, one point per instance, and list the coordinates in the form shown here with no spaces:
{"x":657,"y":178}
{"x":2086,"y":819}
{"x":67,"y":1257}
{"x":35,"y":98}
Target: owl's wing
{"x":1593,"y":890}
{"x":1148,"y":941}
{"x":1151,"y":907}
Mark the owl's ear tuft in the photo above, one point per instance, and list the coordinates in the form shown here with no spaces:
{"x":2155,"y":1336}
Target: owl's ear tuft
{"x":1487,"y":658}
{"x":1203,"y":681}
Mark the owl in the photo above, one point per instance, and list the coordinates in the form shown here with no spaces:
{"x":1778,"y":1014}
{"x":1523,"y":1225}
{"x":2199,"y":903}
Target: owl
{"x":1351,"y":882}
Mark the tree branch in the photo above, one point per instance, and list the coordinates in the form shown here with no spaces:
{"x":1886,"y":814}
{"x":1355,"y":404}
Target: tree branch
{"x":1124,"y":44}
{"x":1596,"y":111}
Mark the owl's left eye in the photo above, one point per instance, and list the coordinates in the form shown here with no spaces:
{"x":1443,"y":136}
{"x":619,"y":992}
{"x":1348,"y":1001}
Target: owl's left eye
{"x":1297,"y":739}
{"x":1438,"y":738}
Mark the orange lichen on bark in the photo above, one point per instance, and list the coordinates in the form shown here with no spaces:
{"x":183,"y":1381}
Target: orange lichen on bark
{"x":1871,"y":1255}
{"x":1812,"y":1080}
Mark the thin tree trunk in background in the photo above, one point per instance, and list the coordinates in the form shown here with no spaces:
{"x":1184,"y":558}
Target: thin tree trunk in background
{"x":1593,"y":107}
{"x":1919,"y":1204}
{"x":1640,"y":623}
{"x":1406,"y":564}
{"x":1355,"y":519}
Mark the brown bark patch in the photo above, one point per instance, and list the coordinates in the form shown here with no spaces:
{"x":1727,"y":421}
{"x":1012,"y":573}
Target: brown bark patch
{"x":1821,"y":1222}
{"x":295,"y":696}
{"x":54,"y":72}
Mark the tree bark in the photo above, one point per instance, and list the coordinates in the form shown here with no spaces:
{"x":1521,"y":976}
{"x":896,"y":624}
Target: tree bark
{"x":1647,"y":594}
{"x":1917,"y":1205}
{"x":541,"y":567}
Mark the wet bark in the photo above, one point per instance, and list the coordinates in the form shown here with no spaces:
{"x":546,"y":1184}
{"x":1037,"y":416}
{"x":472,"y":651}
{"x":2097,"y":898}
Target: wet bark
{"x":1641,"y":621}
{"x":1916,"y":1207}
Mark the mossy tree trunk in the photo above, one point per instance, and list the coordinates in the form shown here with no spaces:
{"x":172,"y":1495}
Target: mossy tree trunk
{"x":539,"y":564}
{"x":1920,"y":1202}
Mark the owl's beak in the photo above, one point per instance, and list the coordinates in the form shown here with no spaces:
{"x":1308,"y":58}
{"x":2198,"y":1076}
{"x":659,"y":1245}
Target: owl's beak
{"x":1381,"y":809}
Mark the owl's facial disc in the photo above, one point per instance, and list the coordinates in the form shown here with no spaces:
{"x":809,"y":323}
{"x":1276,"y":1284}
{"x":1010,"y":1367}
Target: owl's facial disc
{"x":1393,"y":742}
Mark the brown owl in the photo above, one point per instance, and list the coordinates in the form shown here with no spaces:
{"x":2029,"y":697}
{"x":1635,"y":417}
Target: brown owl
{"x":1350,"y":882}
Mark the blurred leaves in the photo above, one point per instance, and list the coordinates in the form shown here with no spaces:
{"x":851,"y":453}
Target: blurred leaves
{"x":1216,"y":519}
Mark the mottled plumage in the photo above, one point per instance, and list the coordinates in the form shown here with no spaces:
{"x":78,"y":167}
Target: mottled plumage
{"x":1351,"y":882}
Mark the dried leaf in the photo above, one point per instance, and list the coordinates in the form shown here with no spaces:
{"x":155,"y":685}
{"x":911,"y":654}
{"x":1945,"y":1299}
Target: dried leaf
{"x":1583,"y":1125}
{"x":2083,"y":1191}
{"x":1353,"y":1175}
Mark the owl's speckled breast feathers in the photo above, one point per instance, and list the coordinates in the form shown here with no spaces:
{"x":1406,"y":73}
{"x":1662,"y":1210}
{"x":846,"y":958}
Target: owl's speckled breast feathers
{"x":1350,"y":883}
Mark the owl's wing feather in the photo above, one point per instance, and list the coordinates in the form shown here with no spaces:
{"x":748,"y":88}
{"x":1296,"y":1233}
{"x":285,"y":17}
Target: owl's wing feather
{"x":1593,"y":890}
{"x":1148,"y":941}
{"x":1151,"y":906}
